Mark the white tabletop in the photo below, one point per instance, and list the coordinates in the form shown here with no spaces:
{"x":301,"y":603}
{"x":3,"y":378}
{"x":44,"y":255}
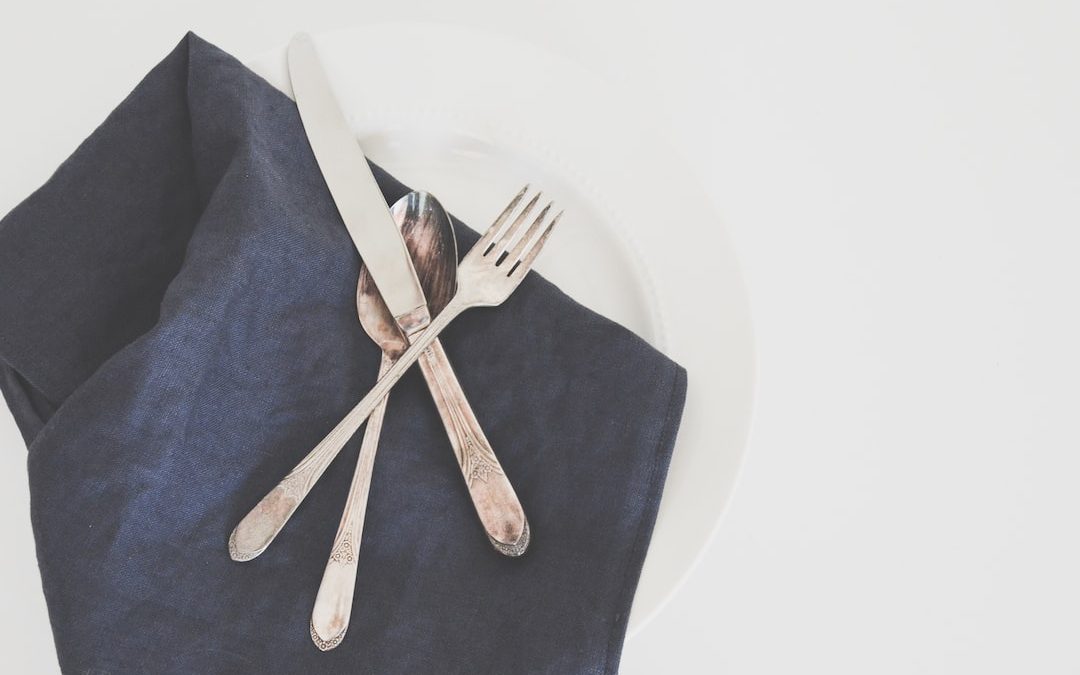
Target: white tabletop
{"x":901,"y":181}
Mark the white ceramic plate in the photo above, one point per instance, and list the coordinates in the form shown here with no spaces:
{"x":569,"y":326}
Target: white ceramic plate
{"x":471,"y":118}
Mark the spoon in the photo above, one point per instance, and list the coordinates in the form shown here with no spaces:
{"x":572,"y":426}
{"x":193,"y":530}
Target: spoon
{"x":429,"y":236}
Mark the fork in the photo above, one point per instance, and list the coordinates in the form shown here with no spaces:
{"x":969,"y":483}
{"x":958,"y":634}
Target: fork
{"x":487,"y":275}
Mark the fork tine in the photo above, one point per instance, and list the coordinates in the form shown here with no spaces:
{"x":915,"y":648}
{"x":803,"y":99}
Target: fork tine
{"x":490,"y":233}
{"x":515,"y":253}
{"x":522,"y":267}
{"x":508,"y":235}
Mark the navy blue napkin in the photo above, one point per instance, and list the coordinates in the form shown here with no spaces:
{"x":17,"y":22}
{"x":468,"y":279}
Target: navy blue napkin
{"x":177,"y":329}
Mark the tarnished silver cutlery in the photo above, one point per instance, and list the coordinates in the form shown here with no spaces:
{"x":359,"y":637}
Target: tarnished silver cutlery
{"x":429,"y":235}
{"x":486,"y":277}
{"x":395,"y":303}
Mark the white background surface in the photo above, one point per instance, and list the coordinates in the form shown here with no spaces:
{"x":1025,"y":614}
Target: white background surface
{"x":901,"y":181}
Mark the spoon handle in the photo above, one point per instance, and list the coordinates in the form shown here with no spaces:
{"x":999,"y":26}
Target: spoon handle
{"x":492,"y":494}
{"x":333,"y":604}
{"x":263,"y":523}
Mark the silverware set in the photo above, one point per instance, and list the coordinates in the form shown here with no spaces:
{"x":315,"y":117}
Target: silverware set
{"x":410,"y":288}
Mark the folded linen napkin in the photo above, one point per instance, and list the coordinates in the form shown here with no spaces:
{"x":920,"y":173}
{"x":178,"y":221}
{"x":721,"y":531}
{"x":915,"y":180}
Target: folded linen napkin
{"x":178,"y":328}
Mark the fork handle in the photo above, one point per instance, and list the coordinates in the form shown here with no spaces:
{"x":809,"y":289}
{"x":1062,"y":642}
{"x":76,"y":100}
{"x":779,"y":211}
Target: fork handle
{"x":263,"y":523}
{"x":333,"y":603}
{"x":492,"y":494}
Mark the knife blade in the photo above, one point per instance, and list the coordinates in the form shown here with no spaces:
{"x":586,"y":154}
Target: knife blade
{"x":353,"y":187}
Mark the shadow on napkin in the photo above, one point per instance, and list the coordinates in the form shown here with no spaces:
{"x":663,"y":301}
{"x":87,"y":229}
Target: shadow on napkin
{"x":178,"y":329}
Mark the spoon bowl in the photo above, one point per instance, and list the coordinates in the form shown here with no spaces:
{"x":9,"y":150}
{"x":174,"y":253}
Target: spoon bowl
{"x":429,"y":236}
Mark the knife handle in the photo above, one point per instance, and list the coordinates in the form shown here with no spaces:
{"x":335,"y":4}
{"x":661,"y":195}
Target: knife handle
{"x":333,"y":604}
{"x":492,"y":494}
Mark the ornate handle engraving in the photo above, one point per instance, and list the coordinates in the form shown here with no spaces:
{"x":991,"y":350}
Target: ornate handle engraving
{"x":333,"y":604}
{"x":492,"y":494}
{"x":259,"y":527}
